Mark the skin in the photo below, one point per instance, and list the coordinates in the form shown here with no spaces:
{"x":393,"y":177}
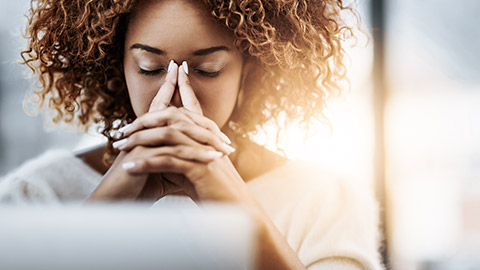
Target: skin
{"x":176,"y":144}
{"x":217,"y":95}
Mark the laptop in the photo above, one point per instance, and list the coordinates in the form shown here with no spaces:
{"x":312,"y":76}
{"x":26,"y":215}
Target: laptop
{"x":125,"y":236}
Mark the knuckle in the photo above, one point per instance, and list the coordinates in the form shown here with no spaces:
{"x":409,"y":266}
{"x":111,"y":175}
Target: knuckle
{"x":181,"y":125}
{"x":187,"y":83}
{"x":155,"y":103}
{"x":210,"y":148}
{"x":134,"y":138}
{"x":170,"y":112}
{"x":168,"y":161}
{"x":183,"y":150}
{"x":140,"y":119}
{"x":156,"y":119}
{"x":169,"y":109}
{"x":168,"y":133}
{"x":211,"y":125}
{"x":144,"y":164}
{"x":196,"y":172}
{"x":161,"y":151}
{"x":210,"y":137}
{"x":157,"y":106}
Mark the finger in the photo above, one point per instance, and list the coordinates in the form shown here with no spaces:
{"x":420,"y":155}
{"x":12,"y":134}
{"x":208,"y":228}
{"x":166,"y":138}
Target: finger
{"x":171,"y":116}
{"x":189,"y":100}
{"x":154,"y":119}
{"x":159,"y":136}
{"x":165,"y":165}
{"x":118,"y":184}
{"x":206,"y":123}
{"x":189,"y":134}
{"x":203,"y":136}
{"x":185,"y":152}
{"x":181,"y":180}
{"x":158,"y":164}
{"x":157,"y":187}
{"x":165,"y":93}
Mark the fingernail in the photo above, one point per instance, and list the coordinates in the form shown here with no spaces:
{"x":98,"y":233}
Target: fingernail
{"x":214,"y":154}
{"x":225,"y":138}
{"x":128,"y":165}
{"x":119,"y":143}
{"x":185,"y":66}
{"x":170,"y":65}
{"x":230,"y":149}
{"x":124,"y":128}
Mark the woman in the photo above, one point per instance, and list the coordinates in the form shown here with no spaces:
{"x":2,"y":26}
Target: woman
{"x":185,"y":76}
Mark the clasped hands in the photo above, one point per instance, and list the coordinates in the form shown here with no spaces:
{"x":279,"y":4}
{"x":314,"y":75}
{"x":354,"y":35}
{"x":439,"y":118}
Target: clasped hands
{"x":170,"y":149}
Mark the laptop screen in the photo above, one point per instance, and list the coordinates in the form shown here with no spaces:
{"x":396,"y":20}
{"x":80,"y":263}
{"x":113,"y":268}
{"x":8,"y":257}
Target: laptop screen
{"x":125,"y":237}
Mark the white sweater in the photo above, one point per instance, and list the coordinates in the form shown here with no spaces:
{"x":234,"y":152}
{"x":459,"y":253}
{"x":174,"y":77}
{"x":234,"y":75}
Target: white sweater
{"x":329,"y":222}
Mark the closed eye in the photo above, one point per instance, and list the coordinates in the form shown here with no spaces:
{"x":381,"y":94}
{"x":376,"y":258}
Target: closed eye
{"x":151,"y":72}
{"x":206,"y":73}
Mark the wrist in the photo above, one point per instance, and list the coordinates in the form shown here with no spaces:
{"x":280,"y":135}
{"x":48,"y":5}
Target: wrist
{"x":118,"y":184}
{"x":272,"y":250}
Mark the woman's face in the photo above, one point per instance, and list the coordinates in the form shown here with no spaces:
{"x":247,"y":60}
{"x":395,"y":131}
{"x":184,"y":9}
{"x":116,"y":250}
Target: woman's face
{"x":159,"y":31}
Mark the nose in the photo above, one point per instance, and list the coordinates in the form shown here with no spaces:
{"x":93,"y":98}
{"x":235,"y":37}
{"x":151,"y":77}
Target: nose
{"x":176,"y":99}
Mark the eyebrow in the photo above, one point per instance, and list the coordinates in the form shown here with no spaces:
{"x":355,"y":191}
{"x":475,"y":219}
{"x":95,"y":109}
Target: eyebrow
{"x":201,"y":52}
{"x":147,"y":48}
{"x":211,"y":50}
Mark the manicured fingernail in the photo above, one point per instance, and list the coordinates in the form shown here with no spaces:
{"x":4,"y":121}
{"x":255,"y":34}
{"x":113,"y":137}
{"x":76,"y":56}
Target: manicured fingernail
{"x":119,"y":143}
{"x":225,"y":138}
{"x":214,"y":154}
{"x":185,"y":66}
{"x":128,"y":165}
{"x":170,"y":65}
{"x":124,"y":128}
{"x":229,"y":148}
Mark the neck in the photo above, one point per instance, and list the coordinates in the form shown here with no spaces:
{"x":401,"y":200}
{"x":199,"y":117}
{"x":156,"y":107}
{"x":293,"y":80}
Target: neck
{"x":252,"y":160}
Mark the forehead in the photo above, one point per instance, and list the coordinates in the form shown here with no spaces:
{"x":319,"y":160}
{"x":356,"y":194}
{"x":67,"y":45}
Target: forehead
{"x":173,"y":24}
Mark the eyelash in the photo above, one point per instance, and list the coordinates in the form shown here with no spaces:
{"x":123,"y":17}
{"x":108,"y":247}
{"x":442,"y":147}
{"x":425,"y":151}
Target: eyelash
{"x":158,"y":71}
{"x":207,"y":74}
{"x":150,"y":72}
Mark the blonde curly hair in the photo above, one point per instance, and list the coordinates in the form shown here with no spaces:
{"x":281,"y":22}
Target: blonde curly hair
{"x":75,"y":47}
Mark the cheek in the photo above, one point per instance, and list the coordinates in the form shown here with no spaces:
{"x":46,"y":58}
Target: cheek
{"x":217,"y":98}
{"x":141,"y":90}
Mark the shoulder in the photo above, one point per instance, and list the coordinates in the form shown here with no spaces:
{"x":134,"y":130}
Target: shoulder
{"x":323,"y":215}
{"x":53,"y":176}
{"x":295,"y":179}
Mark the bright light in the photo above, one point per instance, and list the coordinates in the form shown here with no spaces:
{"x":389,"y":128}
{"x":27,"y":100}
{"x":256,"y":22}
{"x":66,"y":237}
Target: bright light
{"x":346,"y":148}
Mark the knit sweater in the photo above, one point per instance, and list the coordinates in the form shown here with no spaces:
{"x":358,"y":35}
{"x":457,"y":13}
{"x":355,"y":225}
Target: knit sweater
{"x":329,"y":222}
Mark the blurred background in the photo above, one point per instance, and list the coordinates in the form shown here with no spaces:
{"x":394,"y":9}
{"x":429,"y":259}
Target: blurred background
{"x":409,"y":126}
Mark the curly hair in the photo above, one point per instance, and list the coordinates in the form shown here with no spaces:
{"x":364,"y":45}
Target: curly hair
{"x":76,"y":49}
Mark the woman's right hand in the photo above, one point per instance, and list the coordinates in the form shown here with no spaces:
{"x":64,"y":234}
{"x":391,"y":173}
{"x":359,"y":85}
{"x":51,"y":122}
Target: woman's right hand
{"x":177,"y":132}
